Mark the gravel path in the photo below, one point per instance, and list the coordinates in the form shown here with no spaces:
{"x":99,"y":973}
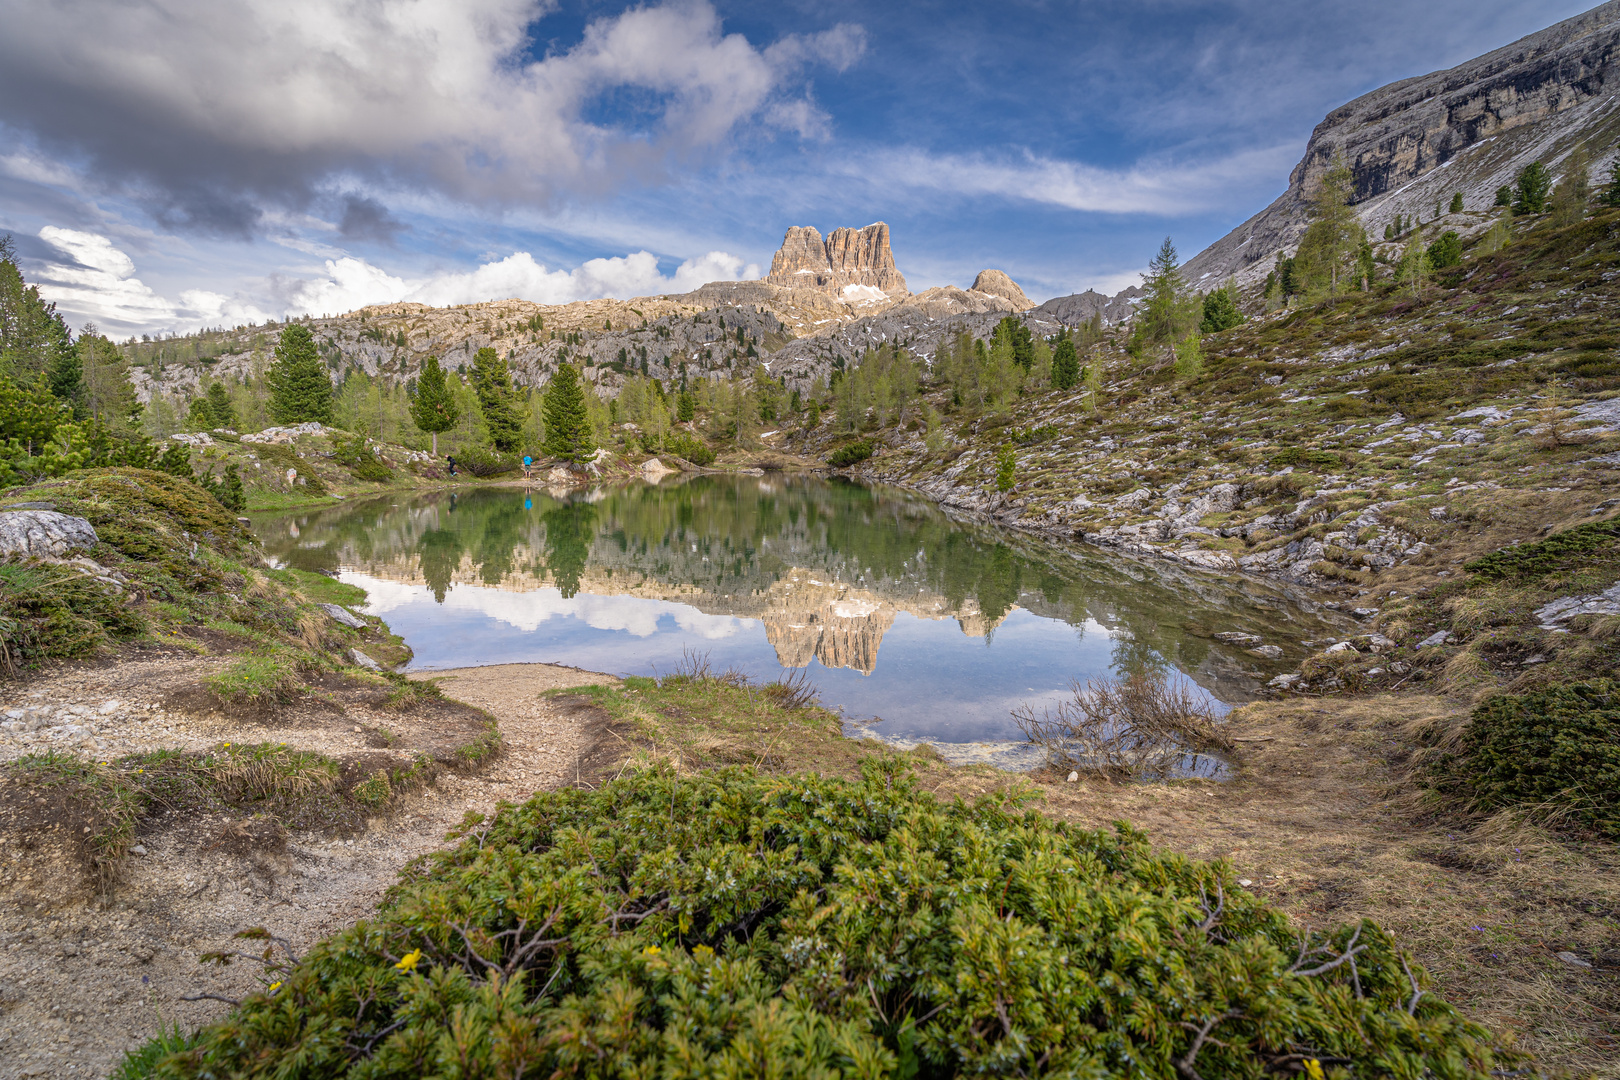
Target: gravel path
{"x":82,"y":977}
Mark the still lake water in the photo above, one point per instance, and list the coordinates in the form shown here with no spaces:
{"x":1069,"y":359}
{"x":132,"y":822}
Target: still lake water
{"x":917,"y":625}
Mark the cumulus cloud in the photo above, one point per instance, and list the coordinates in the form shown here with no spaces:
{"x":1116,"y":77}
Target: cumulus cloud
{"x":212,"y":109}
{"x":95,"y":281}
{"x":90,"y":278}
{"x":352,"y":283}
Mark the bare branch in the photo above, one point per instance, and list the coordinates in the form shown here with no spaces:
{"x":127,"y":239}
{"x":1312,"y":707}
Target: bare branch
{"x":1184,"y":1065}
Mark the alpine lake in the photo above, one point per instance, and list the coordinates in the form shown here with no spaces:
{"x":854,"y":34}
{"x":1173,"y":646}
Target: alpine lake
{"x":915,"y":624}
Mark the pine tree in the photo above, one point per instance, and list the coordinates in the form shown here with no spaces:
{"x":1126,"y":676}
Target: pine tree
{"x":220,"y":408}
{"x":1220,"y":310}
{"x":685,"y":407}
{"x":568,"y":425}
{"x":433,"y":409}
{"x":1457,"y":203}
{"x":493,"y":384}
{"x":300,"y":389}
{"x":1531,"y":189}
{"x":1006,"y":468}
{"x":1065,"y":365}
{"x":1504,"y":196}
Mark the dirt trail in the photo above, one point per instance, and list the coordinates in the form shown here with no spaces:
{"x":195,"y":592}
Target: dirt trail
{"x":83,"y":977}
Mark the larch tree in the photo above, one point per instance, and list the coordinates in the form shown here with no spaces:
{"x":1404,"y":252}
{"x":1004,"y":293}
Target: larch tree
{"x":300,"y":388}
{"x":1167,"y":312}
{"x":1328,"y":249}
{"x":433,"y":409}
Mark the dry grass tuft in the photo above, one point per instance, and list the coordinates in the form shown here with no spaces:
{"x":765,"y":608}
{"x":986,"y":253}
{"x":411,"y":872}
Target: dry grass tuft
{"x":1139,"y":727}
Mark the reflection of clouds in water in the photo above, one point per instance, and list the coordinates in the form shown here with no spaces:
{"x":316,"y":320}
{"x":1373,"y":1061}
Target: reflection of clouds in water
{"x":526,"y":611}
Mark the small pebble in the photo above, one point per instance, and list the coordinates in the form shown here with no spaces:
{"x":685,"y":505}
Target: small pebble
{"x":1073,"y":776}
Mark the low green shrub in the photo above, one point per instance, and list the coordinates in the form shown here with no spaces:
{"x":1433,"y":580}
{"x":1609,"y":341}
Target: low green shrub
{"x":1557,"y":748}
{"x":738,"y":925}
{"x":688,"y":446}
{"x":1568,"y":550}
{"x":851,"y":454}
{"x":354,"y":455}
{"x":482,"y":462}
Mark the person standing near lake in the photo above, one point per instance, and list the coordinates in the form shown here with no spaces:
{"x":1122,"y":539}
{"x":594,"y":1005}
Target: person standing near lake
{"x":450,"y":460}
{"x":528,"y":466}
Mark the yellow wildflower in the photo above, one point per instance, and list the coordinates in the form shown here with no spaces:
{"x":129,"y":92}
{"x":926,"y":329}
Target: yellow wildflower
{"x":1313,"y":1069}
{"x":409,"y":961}
{"x":274,"y":987}
{"x":702,"y":953}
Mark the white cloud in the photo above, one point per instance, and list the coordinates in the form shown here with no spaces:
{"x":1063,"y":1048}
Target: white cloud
{"x":441,"y":94}
{"x":100,"y":285}
{"x":1144,"y":188}
{"x":526,"y":611}
{"x":352,"y":283}
{"x":96,"y":281}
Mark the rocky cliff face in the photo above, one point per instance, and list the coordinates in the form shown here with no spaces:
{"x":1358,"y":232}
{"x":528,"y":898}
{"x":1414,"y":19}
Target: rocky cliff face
{"x":997,"y":283}
{"x":850,"y":263}
{"x":1414,"y":143}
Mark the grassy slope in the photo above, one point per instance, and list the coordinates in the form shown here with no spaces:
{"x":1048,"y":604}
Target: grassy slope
{"x":175,"y":570}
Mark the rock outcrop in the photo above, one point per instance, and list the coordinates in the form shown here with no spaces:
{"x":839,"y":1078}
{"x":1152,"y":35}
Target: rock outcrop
{"x":1082,"y":307}
{"x":44,"y":534}
{"x":997,"y":283}
{"x":852,"y":264}
{"x":1412,"y":144}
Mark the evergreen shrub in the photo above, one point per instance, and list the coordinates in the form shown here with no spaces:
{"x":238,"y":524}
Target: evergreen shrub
{"x":851,"y":454}
{"x":690,"y":447}
{"x":483,"y":462}
{"x":1557,"y":748}
{"x":734,"y":924}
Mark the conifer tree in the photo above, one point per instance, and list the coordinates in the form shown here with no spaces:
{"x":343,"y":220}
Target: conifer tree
{"x":1220,"y":310}
{"x":493,"y":384}
{"x":1611,"y":192}
{"x":1335,"y":234}
{"x":568,"y":425}
{"x":300,"y":389}
{"x":1574,"y":190}
{"x":1065,"y":364}
{"x":1457,"y":203}
{"x":433,"y":409}
{"x":1531,"y":189}
{"x":220,"y":408}
{"x":1167,"y":313}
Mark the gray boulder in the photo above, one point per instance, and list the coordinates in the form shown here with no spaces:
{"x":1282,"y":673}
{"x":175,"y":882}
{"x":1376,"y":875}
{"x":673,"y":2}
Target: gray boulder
{"x":43,"y":534}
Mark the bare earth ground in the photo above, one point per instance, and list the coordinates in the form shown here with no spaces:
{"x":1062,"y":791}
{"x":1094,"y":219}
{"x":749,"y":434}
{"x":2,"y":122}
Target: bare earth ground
{"x":85,"y":976}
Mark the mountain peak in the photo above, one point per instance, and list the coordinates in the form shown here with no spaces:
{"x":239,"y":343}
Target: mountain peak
{"x":997,"y":283}
{"x":850,"y":263}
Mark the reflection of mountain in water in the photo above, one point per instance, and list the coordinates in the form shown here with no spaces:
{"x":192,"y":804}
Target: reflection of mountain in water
{"x":826,"y":567}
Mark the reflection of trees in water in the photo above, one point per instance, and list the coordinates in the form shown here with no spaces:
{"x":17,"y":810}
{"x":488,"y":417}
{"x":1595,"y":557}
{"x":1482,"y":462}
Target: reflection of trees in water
{"x":737,"y":536}
{"x":440,"y":552}
{"x":570,"y":529}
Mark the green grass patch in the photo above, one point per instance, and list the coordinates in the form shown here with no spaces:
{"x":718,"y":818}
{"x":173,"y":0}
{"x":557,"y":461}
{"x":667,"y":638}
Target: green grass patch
{"x":319,"y":588}
{"x":260,"y":680}
{"x":738,"y":924}
{"x":265,"y":499}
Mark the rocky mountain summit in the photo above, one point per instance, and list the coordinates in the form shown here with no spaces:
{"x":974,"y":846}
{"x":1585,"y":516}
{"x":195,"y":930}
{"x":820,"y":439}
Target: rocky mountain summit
{"x":997,"y":283}
{"x":852,"y":264}
{"x":1414,"y":143}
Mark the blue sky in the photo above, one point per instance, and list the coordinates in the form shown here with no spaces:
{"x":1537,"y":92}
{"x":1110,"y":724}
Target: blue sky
{"x":166,"y":164}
